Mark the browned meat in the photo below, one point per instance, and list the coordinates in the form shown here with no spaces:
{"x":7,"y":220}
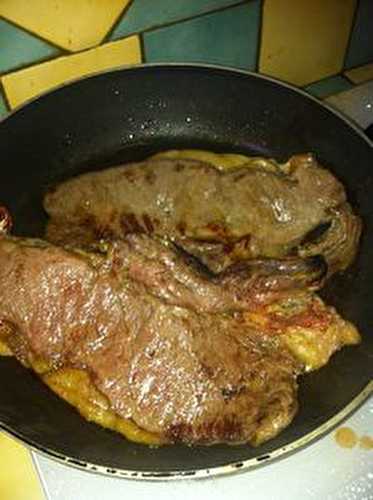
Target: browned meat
{"x":260,"y":210}
{"x":179,"y":280}
{"x":186,"y":375}
{"x":185,"y":355}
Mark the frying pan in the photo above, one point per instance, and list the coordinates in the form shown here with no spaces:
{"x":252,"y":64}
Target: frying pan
{"x":126,"y":115}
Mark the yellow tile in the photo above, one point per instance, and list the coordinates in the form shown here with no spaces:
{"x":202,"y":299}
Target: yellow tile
{"x":71,"y":24}
{"x":24,"y":84}
{"x":18,"y":477}
{"x":360,"y":74}
{"x":304,"y":40}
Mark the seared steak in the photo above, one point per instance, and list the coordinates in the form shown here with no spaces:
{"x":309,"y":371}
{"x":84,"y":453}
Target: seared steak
{"x":262,"y":209}
{"x":175,"y":349}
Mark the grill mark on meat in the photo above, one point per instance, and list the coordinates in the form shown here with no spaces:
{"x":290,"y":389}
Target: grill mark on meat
{"x":129,"y":175}
{"x":238,"y":177}
{"x":218,"y":230}
{"x":179,"y":167}
{"x":276,"y":204}
{"x":165,"y":366}
{"x":130,"y":224}
{"x":148,"y":223}
{"x":104,"y":233}
{"x":227,"y":429}
{"x":181,"y":227}
{"x":151,"y":177}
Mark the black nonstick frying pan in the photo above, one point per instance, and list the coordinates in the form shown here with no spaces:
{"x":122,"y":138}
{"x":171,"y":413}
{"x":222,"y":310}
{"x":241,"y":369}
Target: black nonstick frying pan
{"x":125,"y":115}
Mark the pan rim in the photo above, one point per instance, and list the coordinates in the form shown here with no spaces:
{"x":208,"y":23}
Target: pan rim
{"x":191,"y":66}
{"x":202,"y":473}
{"x":231,"y":468}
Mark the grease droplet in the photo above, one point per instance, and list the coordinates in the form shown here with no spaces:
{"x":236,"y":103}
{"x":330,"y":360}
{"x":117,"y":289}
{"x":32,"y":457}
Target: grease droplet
{"x":346,"y":437}
{"x":366,"y":442}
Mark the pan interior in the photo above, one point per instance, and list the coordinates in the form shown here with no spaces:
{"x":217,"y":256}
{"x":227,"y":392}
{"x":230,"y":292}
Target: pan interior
{"x":127,"y":115}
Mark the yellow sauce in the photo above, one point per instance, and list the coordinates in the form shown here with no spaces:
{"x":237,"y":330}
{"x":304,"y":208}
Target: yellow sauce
{"x":219,"y":160}
{"x":4,"y":349}
{"x":75,"y":387}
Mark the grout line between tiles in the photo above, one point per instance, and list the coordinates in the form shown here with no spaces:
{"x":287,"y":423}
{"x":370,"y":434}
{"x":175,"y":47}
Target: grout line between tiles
{"x":319,"y":80}
{"x":342,"y":75}
{"x":4,"y":96}
{"x":33,"y":63}
{"x":36,"y":35}
{"x":368,"y":63}
{"x":142,"y":48}
{"x":118,"y":19}
{"x":64,"y":52}
{"x":40,"y":475}
{"x":180,"y":20}
{"x":60,"y":56}
{"x":354,"y":17}
{"x":348,"y":78}
{"x":260,"y":35}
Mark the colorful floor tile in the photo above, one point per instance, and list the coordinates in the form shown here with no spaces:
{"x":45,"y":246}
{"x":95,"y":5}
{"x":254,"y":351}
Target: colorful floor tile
{"x":304,"y":41}
{"x":24,"y":84}
{"x":18,"y":477}
{"x":140,"y":18}
{"x":329,"y":86}
{"x":18,"y":48}
{"x":228,"y":37}
{"x":361,"y":74}
{"x":71,"y":24}
{"x":360,"y":50}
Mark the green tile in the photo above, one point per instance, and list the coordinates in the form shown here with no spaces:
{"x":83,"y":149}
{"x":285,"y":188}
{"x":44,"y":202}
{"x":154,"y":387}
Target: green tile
{"x":141,"y":17}
{"x":329,"y":86}
{"x":360,"y":50}
{"x":229,"y":37}
{"x":17,"y":47}
{"x":3,"y":107}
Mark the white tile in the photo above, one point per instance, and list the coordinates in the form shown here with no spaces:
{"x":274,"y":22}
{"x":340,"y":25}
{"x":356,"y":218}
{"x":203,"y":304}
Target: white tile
{"x":321,"y":471}
{"x":356,"y":103}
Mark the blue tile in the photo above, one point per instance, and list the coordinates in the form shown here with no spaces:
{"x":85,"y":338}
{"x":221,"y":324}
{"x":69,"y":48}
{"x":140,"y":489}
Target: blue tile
{"x":360,"y":50}
{"x":3,"y":107}
{"x":229,"y":37}
{"x":17,"y":47}
{"x":329,"y":86}
{"x":140,"y":16}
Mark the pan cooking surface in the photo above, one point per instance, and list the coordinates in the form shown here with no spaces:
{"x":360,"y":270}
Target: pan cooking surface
{"x":89,"y":125}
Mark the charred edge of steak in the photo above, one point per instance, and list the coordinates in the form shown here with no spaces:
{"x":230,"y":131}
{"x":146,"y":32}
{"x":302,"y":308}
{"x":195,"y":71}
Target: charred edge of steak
{"x":278,"y":274}
{"x":316,"y":233}
{"x":339,"y":243}
{"x":192,"y":261}
{"x":227,"y":430}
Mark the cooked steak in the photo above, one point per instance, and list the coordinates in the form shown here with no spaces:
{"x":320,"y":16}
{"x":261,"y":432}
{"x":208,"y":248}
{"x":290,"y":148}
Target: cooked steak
{"x":262,"y":209}
{"x":176,"y":350}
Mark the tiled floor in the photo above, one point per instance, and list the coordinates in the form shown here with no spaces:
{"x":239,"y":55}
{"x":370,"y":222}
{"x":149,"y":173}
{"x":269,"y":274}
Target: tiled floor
{"x":227,"y":37}
{"x":18,"y":477}
{"x":24,"y":84}
{"x":325,"y":46}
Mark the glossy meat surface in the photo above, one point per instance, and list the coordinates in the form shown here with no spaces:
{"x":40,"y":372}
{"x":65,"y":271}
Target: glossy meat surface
{"x":261,"y":209}
{"x":211,"y":366}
